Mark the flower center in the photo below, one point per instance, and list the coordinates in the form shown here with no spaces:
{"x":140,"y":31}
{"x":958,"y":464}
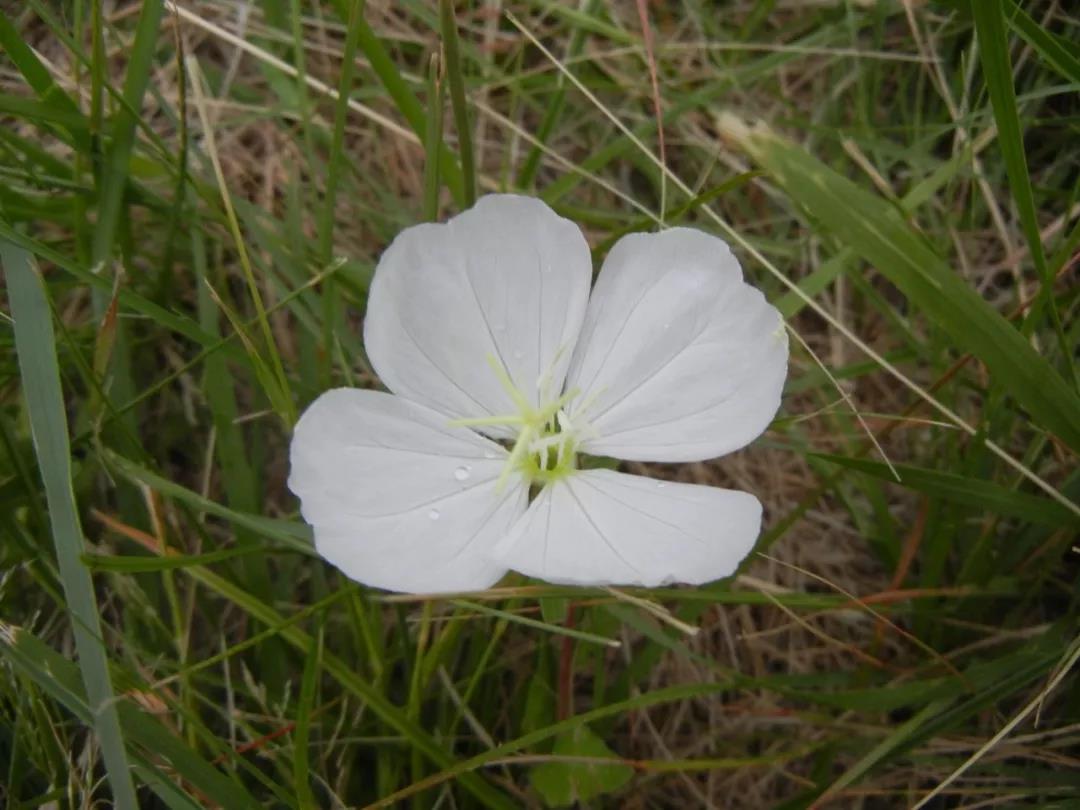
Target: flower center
{"x":548,"y":450}
{"x":545,"y":448}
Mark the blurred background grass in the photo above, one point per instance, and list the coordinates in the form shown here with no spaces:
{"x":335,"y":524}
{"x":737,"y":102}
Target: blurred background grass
{"x":192,"y":201}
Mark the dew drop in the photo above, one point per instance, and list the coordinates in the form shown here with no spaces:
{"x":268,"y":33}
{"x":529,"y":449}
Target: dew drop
{"x":489,"y":454}
{"x":461,"y":474}
{"x":660,"y":485}
{"x":433,"y":514}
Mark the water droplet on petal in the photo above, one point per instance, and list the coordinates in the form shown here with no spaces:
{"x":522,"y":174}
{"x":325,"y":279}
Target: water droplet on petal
{"x":433,"y":514}
{"x":660,"y":485}
{"x":490,"y":454}
{"x":461,"y":473}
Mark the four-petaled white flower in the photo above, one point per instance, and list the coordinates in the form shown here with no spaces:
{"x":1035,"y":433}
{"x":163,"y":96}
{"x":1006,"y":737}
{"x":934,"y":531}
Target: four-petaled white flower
{"x":504,"y":368}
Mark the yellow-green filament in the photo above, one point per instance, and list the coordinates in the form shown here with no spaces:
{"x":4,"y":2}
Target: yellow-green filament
{"x":544,"y":434}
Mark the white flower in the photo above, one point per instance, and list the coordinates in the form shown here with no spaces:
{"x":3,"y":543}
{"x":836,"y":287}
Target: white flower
{"x":504,"y":367}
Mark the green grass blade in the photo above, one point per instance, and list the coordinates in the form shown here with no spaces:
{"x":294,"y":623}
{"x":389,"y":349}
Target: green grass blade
{"x":273,"y":377}
{"x":553,"y":112}
{"x":240,"y":482}
{"x":408,"y":105}
{"x":335,"y":160}
{"x":433,"y":141}
{"x":40,"y":111}
{"x":296,"y":536}
{"x":164,"y":317}
{"x":114,"y":174}
{"x":41,"y":81}
{"x":897,"y":739}
{"x":872,"y":228}
{"x":973,"y":492}
{"x":346,"y":675}
{"x":622,"y":146}
{"x":676,"y":215}
{"x":308,"y":685}
{"x":36,"y":347}
{"x":554,"y":629}
{"x":997,"y":70}
{"x":465,"y":766}
{"x":1062,"y":56}
{"x":146,"y":565}
{"x":455,"y":78}
{"x":59,"y":29}
{"x":60,"y":678}
{"x":335,"y":169}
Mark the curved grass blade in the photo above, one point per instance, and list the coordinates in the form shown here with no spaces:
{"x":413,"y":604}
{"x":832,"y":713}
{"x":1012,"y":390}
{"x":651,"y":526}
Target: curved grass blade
{"x":35,"y":345}
{"x":873,"y":229}
{"x":972,"y":492}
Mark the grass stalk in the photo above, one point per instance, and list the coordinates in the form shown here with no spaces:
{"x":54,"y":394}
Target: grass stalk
{"x":36,"y":347}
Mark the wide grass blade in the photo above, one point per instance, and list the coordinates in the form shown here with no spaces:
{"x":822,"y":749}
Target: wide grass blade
{"x":973,"y":492}
{"x":872,"y":228}
{"x":36,"y":347}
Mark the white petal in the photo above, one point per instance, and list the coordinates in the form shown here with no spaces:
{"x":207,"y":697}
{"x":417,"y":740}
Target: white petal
{"x":397,"y":498}
{"x":507,"y":279}
{"x":682,"y":360}
{"x":600,"y":527}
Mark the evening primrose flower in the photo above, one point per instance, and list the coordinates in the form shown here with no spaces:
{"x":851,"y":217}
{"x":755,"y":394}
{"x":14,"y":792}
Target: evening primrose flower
{"x":505,"y":369}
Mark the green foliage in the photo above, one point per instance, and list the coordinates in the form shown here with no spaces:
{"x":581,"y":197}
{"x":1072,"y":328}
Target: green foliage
{"x":983,"y":496}
{"x":40,"y":375}
{"x":872,"y":228}
{"x":562,"y":783}
{"x":192,"y":201}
